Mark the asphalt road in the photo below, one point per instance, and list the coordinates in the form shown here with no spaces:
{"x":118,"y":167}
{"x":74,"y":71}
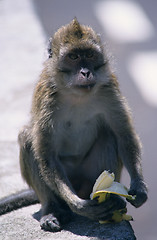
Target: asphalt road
{"x":22,"y":45}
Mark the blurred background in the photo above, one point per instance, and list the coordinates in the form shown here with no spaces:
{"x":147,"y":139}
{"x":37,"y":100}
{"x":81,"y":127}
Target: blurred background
{"x":129,"y":32}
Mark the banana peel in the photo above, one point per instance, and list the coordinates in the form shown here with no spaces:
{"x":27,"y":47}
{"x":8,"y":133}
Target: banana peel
{"x":103,"y":187}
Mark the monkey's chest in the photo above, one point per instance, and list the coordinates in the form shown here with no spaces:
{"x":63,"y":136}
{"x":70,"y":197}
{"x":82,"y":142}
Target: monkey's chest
{"x":74,"y":138}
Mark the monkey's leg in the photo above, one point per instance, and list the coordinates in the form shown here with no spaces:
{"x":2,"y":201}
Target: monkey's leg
{"x":54,"y":215}
{"x":54,"y":211}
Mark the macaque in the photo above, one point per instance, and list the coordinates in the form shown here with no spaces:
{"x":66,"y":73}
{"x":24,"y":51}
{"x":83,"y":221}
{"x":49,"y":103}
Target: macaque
{"x":80,"y":126}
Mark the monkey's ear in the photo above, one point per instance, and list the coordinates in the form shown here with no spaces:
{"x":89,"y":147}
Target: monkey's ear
{"x":49,"y":48}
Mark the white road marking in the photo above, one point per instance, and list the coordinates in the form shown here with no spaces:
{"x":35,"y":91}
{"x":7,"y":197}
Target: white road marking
{"x":124,"y":21}
{"x":143,"y":69}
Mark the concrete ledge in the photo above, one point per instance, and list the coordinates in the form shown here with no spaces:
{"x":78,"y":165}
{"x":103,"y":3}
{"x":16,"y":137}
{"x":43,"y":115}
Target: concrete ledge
{"x":21,"y":225}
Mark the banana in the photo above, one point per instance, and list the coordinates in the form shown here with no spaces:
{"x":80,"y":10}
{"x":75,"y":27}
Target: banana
{"x":118,"y":216}
{"x":104,"y":181}
{"x":103,"y":187}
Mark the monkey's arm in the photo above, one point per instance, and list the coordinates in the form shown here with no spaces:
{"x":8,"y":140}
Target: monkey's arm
{"x":130,"y":153}
{"x":129,"y":148}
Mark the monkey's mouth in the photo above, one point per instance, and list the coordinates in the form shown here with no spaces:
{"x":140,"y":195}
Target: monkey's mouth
{"x":86,"y":86}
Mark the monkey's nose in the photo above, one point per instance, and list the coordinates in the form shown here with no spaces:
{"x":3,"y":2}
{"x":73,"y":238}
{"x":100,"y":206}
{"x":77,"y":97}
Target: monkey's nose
{"x":85,"y":72}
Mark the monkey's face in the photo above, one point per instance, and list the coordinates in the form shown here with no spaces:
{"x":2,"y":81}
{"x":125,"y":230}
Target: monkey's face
{"x":81,"y":69}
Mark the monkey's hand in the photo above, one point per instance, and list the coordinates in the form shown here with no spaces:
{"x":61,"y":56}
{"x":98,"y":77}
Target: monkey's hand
{"x":101,"y":211}
{"x":138,"y":188}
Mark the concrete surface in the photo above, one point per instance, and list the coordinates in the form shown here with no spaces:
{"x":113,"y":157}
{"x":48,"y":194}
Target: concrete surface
{"x":24,"y":31}
{"x":20,"y":225}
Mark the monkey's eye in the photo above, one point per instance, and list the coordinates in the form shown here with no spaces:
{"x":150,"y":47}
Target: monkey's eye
{"x":73,"y":56}
{"x":89,"y":54}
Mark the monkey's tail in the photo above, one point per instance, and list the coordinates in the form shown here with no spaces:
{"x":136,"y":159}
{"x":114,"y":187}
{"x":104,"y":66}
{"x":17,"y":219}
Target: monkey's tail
{"x":18,"y":200}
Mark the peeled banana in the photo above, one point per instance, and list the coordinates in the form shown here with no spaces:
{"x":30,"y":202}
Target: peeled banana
{"x":104,"y":181}
{"x":103,"y":187}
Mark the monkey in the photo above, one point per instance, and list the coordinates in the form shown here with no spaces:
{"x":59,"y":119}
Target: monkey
{"x":80,"y":125}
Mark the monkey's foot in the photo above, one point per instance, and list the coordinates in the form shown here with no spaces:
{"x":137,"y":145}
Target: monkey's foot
{"x":50,"y":223}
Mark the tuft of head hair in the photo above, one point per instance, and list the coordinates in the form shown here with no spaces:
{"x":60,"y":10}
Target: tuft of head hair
{"x":74,"y":35}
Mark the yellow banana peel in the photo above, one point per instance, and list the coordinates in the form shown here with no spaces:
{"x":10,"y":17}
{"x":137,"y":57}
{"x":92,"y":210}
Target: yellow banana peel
{"x":103,"y":187}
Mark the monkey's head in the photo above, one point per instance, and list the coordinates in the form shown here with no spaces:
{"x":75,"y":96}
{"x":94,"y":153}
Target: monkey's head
{"x":77,"y":54}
